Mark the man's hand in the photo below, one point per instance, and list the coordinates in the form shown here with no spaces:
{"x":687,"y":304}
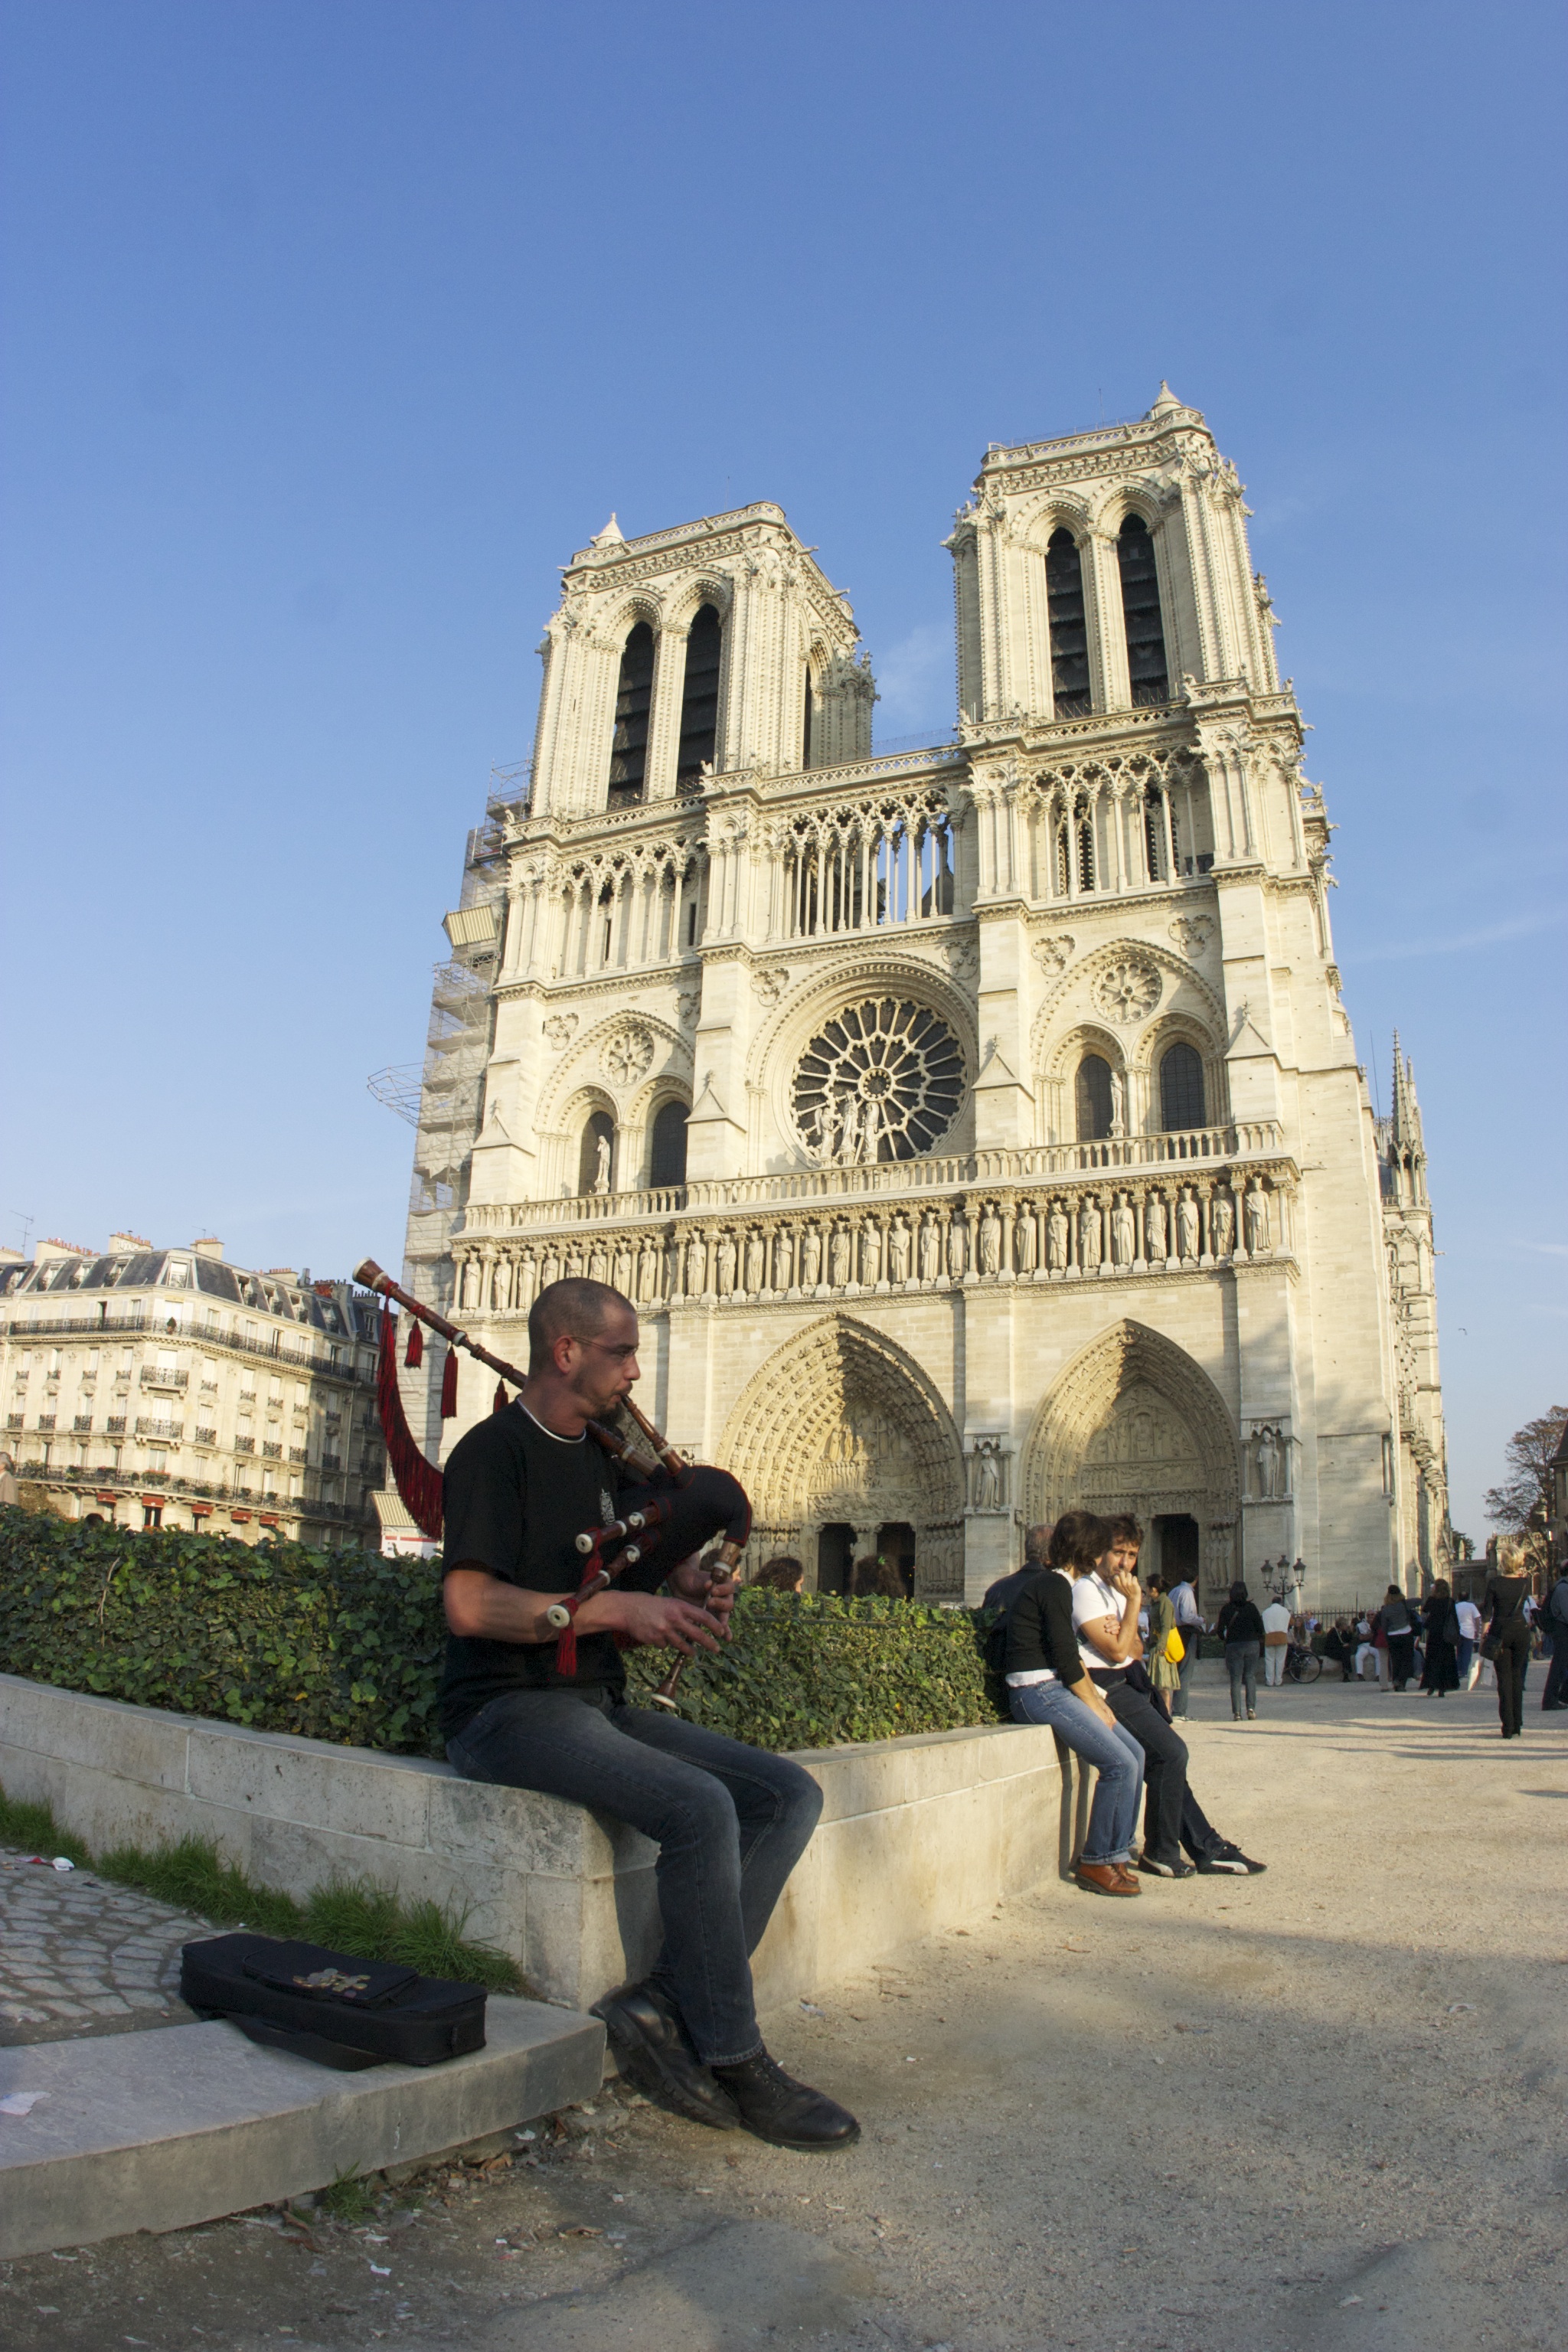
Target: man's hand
{"x":649,"y":1618}
{"x":1126,"y":1582}
{"x":713,"y":1592}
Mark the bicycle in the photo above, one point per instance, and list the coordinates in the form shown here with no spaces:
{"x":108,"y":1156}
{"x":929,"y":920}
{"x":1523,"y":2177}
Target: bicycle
{"x":1301,"y":1665}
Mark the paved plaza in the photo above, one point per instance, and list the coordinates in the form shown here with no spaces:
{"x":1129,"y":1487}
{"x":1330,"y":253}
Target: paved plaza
{"x":1315,"y":2111}
{"x":80,"y":1956}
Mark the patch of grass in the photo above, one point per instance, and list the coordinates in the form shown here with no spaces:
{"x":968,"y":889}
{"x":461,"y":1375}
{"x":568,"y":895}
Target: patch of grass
{"x":35,"y":1828}
{"x":349,"y":1915}
{"x":349,"y":2197}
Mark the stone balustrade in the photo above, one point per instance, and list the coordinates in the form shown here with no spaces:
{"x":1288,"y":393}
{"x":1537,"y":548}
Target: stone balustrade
{"x":840,"y":1234}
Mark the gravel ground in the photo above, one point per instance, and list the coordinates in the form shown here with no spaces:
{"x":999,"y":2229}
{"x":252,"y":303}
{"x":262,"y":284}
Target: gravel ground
{"x":1317,"y":2109}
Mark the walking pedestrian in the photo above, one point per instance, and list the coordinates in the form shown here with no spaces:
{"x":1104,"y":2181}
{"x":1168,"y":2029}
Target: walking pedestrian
{"x":1440,"y":1674}
{"x":1469,"y":1659}
{"x":1508,"y":1631}
{"x":1048,"y":1683}
{"x":1394,"y":1618}
{"x":1240,"y":1628}
{"x":1276,"y":1641}
{"x":1554,"y":1620}
{"x":1191,"y":1627}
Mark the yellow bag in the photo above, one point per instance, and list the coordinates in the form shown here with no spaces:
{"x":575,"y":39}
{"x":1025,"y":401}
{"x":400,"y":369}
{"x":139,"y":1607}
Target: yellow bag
{"x":1175,"y":1648}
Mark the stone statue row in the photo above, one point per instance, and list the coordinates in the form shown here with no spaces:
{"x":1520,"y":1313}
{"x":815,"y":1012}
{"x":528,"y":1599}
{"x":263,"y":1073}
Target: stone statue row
{"x":1141,"y":1229}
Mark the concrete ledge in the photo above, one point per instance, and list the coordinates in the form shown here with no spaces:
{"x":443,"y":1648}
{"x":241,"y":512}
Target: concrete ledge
{"x":161,"y":2130}
{"x":917,"y":1834}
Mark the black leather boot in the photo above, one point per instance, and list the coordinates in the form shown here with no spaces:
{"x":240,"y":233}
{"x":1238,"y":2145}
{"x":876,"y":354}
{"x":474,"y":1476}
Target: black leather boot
{"x":655,"y":2055}
{"x":776,"y":2108}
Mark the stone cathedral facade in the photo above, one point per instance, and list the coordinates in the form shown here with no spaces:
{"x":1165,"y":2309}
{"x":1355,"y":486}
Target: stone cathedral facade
{"x":978,"y":1130}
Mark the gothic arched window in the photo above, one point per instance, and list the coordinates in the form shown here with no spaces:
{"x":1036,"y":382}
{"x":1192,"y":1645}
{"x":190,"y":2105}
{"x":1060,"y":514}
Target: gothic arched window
{"x":1069,"y":630}
{"x":700,"y":695}
{"x":633,"y":698}
{"x":1093,"y":1098}
{"x":668,"y":1165}
{"x":1181,"y":1087}
{"x":1140,"y":613}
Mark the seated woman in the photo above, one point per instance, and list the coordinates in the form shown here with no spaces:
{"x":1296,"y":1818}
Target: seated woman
{"x":1339,"y":1642}
{"x":1048,"y":1683}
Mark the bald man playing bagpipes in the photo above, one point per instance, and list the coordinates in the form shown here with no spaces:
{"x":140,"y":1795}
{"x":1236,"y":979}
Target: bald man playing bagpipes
{"x":532,"y":1703}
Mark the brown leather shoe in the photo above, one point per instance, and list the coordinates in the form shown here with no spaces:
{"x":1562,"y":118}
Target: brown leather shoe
{"x":1131,"y":1883}
{"x":1105,"y":1878}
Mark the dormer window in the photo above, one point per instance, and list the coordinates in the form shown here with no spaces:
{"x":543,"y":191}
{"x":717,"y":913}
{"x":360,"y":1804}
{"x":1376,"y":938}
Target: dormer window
{"x":634,"y":700}
{"x":700,"y":695}
{"x":1069,"y":632}
{"x":1141,"y":614}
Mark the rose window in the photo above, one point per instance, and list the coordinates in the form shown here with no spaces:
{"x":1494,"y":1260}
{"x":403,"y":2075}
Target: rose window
{"x":882,"y":1081}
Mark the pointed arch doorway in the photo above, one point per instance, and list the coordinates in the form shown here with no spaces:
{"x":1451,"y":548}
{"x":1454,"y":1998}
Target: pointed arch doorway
{"x":1134,"y":1425}
{"x":841,"y":1440}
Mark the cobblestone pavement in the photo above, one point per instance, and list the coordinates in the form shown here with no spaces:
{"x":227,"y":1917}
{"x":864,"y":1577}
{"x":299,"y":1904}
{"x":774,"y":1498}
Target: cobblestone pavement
{"x":79,"y":1956}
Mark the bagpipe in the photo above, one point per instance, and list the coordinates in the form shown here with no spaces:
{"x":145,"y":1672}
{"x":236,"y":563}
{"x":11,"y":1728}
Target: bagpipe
{"x":673,"y":1508}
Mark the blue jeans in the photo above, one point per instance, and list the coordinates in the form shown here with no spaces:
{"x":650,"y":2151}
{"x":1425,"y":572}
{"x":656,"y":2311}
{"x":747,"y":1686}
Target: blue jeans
{"x":730,"y":1821}
{"x":1114,"y":1754}
{"x":1241,"y":1665}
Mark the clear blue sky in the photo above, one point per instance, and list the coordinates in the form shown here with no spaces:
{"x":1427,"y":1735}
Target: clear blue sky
{"x":333,"y":329}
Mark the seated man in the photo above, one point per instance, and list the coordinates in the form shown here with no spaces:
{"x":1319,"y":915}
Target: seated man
{"x":729,"y":1820}
{"x":1108,"y":1639}
{"x":1037,"y":1555}
{"x":1105,"y":1605}
{"x":1339,"y":1643}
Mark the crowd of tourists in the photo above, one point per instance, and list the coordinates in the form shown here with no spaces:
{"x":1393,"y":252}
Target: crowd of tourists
{"x":1450,"y":1641}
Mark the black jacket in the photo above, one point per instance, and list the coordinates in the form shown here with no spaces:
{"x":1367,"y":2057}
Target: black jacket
{"x":1040,"y":1628}
{"x":1239,"y":1622}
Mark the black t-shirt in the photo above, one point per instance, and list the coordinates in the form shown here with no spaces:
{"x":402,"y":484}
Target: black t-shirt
{"x":515,"y":1500}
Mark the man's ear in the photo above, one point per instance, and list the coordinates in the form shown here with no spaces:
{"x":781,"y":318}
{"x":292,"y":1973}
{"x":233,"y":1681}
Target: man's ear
{"x":560,"y":1349}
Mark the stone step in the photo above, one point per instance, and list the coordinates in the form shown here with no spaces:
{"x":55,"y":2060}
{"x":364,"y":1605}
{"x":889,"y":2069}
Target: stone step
{"x":161,"y":2130}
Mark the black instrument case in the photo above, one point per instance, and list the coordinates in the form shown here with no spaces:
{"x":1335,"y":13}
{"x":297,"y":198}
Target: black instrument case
{"x":329,"y":2006}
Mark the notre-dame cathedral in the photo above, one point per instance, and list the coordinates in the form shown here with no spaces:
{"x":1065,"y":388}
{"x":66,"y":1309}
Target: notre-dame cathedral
{"x":978,"y":1129}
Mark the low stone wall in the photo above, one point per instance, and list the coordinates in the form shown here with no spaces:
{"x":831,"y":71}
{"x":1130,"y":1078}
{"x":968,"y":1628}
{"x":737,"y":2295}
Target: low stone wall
{"x":917,"y":1834}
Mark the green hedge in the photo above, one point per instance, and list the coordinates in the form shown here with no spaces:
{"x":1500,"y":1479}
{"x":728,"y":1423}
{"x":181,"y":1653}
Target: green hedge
{"x":340,"y":1645}
{"x":347,"y":1646}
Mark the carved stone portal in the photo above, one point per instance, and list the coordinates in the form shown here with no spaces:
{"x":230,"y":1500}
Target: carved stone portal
{"x":1134,"y":1425}
{"x":841,"y":1428}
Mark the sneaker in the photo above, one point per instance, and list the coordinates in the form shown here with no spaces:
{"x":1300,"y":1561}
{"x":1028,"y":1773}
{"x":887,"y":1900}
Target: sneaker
{"x":1209,"y":1865}
{"x":1177,"y":1869}
{"x":654,"y":2054}
{"x":777,"y":2108}
{"x":1232,"y":1857}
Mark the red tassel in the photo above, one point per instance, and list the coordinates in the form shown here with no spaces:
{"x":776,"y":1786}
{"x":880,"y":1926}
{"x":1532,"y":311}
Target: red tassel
{"x":449,"y":1385}
{"x":417,"y":1481}
{"x":414,"y":1354}
{"x":501,"y":1403}
{"x":566,"y":1650}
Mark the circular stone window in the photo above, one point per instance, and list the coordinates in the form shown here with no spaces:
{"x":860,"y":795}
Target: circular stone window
{"x":882,"y":1081}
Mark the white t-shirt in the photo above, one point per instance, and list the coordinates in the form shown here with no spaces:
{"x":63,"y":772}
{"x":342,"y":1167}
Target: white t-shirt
{"x":1469,"y":1620}
{"x":1276,"y":1618}
{"x":1092,"y":1597}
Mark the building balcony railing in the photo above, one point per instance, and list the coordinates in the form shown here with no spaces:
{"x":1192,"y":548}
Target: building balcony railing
{"x":933,"y":1172}
{"x":46,"y":1421}
{"x":163,"y":1376}
{"x":169,"y":1431}
{"x":245,"y":1445}
{"x":206,"y":1437}
{"x":290,"y":1507}
{"x":15,"y":1419}
{"x":115,"y":1424}
{"x":270,"y":1452}
{"x":276,"y":1347}
{"x":82,"y":1425}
